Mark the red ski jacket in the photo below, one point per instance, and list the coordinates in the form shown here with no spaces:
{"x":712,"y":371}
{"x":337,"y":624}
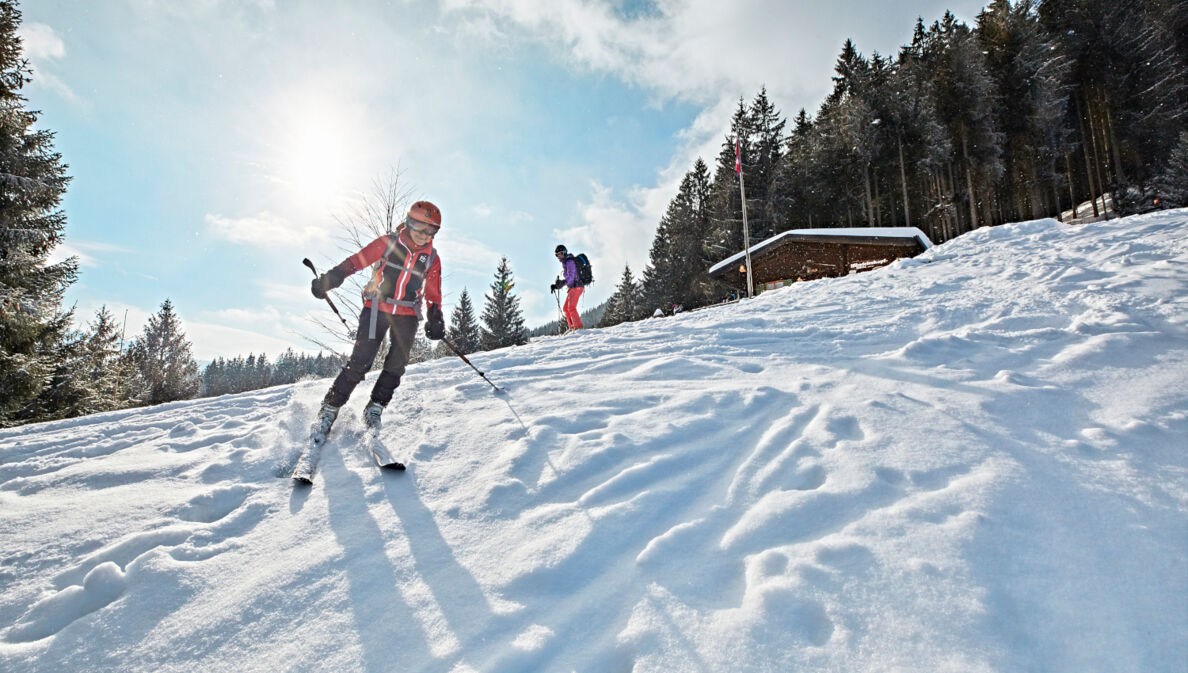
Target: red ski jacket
{"x":397,"y":285}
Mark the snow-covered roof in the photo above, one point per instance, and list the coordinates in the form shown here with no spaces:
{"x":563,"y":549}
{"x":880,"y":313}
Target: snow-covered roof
{"x":857,"y":232}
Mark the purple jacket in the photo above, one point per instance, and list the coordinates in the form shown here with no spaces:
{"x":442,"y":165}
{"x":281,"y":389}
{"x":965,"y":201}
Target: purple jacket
{"x":571,"y":272}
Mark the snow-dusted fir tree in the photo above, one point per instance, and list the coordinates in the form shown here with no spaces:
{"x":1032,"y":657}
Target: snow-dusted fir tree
{"x":725,"y":235}
{"x":106,"y":368}
{"x":626,"y":304}
{"x":1171,"y":186}
{"x":676,"y":267}
{"x":503,"y":323}
{"x":659,"y":278}
{"x":767,"y":129}
{"x":1030,"y":76}
{"x":464,"y":330}
{"x":32,"y":182}
{"x":166,"y":371}
{"x":421,"y":350}
{"x":92,"y":374}
{"x":965,"y":99}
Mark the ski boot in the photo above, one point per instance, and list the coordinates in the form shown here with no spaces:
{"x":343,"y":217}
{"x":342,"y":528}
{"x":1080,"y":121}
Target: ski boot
{"x":321,"y":425}
{"x":371,"y":415}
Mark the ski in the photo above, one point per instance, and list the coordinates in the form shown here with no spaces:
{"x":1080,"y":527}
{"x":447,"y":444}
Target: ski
{"x":307,"y":463}
{"x":380,"y":453}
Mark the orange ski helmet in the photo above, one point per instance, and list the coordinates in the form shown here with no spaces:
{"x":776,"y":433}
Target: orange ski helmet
{"x":423,"y":211}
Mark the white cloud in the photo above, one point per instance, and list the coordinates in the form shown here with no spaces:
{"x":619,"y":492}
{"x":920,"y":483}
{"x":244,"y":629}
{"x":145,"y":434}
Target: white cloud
{"x":41,"y":45}
{"x":87,"y":252}
{"x":612,"y":233}
{"x":465,"y":253}
{"x":41,"y":42}
{"x":486,"y":211}
{"x":247,"y":316}
{"x":264,"y":229}
{"x":692,"y":50}
{"x":211,"y":340}
{"x":194,"y":8}
{"x":283,"y":292}
{"x":704,"y":50}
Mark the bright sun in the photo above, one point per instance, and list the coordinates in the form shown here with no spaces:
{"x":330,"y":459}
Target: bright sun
{"x":312,"y":156}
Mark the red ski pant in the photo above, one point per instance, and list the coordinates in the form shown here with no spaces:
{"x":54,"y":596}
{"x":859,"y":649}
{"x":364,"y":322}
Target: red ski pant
{"x":571,"y":311}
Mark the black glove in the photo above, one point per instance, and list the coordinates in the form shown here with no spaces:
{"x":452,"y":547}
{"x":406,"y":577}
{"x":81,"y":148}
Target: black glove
{"x":322,"y":285}
{"x":557,"y":285}
{"x":435,"y":325}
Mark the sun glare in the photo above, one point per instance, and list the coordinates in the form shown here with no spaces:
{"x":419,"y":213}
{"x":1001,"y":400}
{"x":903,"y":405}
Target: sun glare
{"x":317,"y":162}
{"x":313,"y":148}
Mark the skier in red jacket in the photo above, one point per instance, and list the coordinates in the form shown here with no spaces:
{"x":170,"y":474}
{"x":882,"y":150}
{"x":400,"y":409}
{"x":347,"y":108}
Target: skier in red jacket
{"x":407,"y":270}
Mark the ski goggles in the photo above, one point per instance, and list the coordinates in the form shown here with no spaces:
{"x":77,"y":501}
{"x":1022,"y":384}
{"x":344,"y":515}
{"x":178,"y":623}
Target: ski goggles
{"x":422,"y":227}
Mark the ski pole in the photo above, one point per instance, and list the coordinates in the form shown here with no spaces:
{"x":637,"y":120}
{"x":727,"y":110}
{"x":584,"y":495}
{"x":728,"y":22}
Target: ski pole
{"x":562,"y":321}
{"x":447,"y":342}
{"x":560,"y":314}
{"x":328,"y":301}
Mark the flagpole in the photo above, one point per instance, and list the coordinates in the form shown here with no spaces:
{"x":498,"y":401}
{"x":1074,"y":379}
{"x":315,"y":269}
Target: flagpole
{"x":742,"y":188}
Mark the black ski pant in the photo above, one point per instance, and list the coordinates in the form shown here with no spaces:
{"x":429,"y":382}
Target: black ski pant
{"x":402,"y":330}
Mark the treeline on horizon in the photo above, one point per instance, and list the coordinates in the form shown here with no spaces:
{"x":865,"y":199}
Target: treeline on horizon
{"x":1036,"y":108}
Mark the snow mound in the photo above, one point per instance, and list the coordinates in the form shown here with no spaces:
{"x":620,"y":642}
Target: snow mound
{"x":972,"y":460}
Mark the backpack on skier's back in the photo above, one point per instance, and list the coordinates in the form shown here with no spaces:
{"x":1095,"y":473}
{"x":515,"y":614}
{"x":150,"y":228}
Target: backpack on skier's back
{"x":585,"y":273}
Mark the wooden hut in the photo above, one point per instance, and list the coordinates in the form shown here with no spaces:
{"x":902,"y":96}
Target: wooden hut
{"x":807,"y":254}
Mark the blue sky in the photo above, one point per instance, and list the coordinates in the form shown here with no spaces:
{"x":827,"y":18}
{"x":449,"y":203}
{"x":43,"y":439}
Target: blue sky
{"x":215,"y":143}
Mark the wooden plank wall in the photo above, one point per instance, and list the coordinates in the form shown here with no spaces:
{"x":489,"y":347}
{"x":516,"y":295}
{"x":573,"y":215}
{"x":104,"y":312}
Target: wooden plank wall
{"x":808,"y":260}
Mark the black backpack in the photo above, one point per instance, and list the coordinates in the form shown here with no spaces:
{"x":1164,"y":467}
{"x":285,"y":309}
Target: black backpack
{"x":585,"y":273}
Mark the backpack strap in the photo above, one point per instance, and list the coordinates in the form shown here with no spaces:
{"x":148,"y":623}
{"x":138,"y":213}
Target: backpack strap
{"x":376,"y":301}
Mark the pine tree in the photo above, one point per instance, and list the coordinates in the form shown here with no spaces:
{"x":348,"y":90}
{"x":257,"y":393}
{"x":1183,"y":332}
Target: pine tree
{"x":965,"y":102}
{"x":660,"y":284}
{"x":421,"y":350}
{"x":166,"y":370}
{"x":921,"y":143}
{"x":1129,"y":80}
{"x":795,"y":189}
{"x":676,"y":264}
{"x":503,"y":323}
{"x":105,"y":366}
{"x":214,"y":378}
{"x":767,"y":128}
{"x":1030,"y":76}
{"x":463,"y":332}
{"x":725,"y":236}
{"x":1171,"y":186}
{"x":626,"y":304}
{"x":33,"y":327}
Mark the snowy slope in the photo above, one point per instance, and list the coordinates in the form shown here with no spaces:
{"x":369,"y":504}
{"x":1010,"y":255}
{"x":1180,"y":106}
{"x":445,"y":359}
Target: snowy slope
{"x":973,"y":460}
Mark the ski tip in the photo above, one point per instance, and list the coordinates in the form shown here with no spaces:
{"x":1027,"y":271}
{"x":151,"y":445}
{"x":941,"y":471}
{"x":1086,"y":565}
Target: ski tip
{"x":299,"y":480}
{"x":398,"y":467}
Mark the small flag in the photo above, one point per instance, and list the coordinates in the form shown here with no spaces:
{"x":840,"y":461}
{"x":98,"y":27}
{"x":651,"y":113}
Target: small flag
{"x":737,"y":158}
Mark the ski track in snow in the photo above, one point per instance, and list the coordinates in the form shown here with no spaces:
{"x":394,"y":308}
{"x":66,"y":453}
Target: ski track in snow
{"x":970,"y":461}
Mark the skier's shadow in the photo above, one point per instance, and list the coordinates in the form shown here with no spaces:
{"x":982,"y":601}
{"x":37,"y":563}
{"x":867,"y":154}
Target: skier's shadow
{"x":384,"y":621}
{"x":458,"y":594}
